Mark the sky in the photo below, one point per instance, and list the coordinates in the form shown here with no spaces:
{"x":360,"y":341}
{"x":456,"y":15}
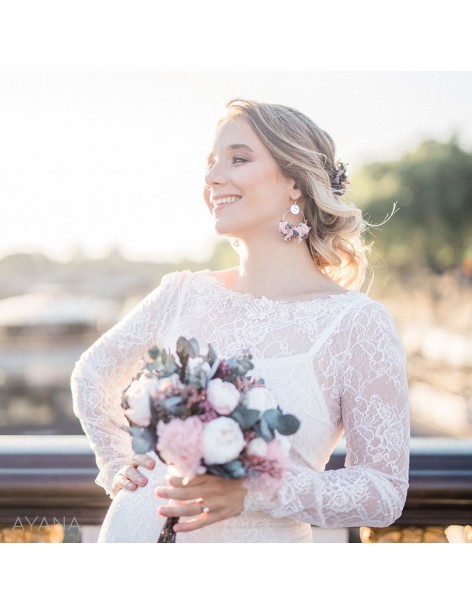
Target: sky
{"x":95,"y":161}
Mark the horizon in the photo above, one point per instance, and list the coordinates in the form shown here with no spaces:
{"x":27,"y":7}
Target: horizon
{"x":98,"y":161}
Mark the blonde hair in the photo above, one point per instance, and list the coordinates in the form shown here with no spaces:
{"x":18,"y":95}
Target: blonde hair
{"x":306,"y":153}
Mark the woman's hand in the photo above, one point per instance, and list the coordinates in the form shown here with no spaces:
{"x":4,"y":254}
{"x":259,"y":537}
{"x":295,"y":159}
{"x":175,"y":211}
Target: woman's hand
{"x":205,"y":499}
{"x":129,"y":476}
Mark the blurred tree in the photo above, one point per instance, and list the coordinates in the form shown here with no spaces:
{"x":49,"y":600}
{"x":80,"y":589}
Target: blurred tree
{"x":433,"y":188}
{"x":223,"y":256}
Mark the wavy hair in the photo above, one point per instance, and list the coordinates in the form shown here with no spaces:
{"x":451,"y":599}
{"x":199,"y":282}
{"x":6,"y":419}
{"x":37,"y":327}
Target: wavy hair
{"x":307,"y":154}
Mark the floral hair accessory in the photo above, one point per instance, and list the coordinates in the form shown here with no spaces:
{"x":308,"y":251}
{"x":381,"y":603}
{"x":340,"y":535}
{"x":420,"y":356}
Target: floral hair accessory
{"x":339,"y":178}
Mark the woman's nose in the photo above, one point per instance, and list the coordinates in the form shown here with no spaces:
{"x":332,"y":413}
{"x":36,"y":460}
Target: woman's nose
{"x":214,"y":175}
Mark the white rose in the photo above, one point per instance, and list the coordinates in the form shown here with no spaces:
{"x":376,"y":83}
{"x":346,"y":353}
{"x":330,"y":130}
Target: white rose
{"x":223,"y":441}
{"x":224,"y":396}
{"x":138,"y":397}
{"x":260,"y":398}
{"x":257,"y":446}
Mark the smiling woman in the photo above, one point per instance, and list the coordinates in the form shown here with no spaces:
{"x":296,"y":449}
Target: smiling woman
{"x":289,"y":150}
{"x":330,"y":355}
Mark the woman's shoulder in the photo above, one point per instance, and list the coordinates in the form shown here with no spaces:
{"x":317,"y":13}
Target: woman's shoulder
{"x":176,"y":278}
{"x":176,"y":282}
{"x":179,"y":278}
{"x":370,"y":319}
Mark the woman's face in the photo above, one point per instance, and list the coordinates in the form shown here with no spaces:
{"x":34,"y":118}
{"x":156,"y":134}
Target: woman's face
{"x":247,"y":192}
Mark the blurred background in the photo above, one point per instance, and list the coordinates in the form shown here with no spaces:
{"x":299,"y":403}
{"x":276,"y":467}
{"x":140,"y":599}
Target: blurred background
{"x":101,"y":194}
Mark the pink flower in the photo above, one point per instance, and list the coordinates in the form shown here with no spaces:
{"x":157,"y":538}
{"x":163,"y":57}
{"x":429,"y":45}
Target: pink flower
{"x":286,"y":229}
{"x":180,"y":443}
{"x":267,"y":472}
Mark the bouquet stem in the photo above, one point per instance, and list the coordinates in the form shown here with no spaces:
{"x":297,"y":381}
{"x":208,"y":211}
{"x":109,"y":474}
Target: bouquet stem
{"x":168,"y":534}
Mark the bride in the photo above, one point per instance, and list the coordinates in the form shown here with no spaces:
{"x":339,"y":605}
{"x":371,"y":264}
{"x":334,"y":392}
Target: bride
{"x":330,"y":354}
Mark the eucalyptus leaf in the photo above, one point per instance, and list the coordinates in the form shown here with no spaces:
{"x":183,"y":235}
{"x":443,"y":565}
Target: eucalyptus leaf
{"x":170,"y":369}
{"x":213,"y":370}
{"x":212,"y":354}
{"x":187,"y":348}
{"x":240,"y":365}
{"x":272,"y":417}
{"x":263,"y":430}
{"x":153,"y":352}
{"x":217,"y":470}
{"x":232,"y":470}
{"x":235,"y":469}
{"x":196,"y":347}
{"x":288,"y":424}
{"x":172,"y":402}
{"x":152,"y":366}
{"x":142,"y":440}
{"x":246,"y":418}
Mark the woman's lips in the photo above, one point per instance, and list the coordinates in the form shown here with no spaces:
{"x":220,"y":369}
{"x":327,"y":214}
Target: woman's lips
{"x":219,"y":204}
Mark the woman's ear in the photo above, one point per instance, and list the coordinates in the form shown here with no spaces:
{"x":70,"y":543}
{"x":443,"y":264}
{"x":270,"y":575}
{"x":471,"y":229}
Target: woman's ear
{"x":295,"y":193}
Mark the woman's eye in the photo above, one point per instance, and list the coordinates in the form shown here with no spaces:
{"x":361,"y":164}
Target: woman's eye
{"x":237,"y":159}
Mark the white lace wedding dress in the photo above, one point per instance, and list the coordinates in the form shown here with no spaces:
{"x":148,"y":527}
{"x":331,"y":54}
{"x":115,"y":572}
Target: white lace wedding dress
{"x":335,"y":361}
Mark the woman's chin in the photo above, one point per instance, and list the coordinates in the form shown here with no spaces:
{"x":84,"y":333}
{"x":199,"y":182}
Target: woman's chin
{"x":225,"y":229}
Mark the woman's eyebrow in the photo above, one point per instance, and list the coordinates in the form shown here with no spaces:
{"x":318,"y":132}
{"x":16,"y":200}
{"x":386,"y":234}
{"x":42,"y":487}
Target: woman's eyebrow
{"x":240,"y":146}
{"x":231,"y":147}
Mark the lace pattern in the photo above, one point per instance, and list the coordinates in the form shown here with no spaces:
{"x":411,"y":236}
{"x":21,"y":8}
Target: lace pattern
{"x":337,"y":362}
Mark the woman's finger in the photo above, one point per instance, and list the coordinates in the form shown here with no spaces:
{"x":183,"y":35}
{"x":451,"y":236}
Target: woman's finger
{"x":197,"y":522}
{"x":121,"y":481}
{"x":134,"y":475}
{"x":144,"y":460}
{"x":128,"y":477}
{"x":176,"y":509}
{"x":181,"y":494}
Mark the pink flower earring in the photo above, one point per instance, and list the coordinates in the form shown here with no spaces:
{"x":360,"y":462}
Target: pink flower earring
{"x":290,"y":232}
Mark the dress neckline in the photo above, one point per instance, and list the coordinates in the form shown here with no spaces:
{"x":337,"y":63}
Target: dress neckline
{"x":269,"y":301}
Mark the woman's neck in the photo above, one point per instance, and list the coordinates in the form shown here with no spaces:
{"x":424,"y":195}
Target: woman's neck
{"x":282,"y":270}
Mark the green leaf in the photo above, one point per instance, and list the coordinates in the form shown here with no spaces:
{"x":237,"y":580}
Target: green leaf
{"x":288,"y":424}
{"x":142,"y":439}
{"x":232,"y":470}
{"x":211,"y":355}
{"x":240,"y":365}
{"x":263,"y":430}
{"x":272,"y":417}
{"x":246,"y":418}
{"x":188,"y":347}
{"x":172,"y":402}
{"x":153,"y":353}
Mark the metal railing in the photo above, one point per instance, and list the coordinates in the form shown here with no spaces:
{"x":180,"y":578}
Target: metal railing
{"x":51,"y":479}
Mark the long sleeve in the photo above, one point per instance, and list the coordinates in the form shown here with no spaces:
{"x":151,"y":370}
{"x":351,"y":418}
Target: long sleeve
{"x":105,"y":370}
{"x":371,"y":489}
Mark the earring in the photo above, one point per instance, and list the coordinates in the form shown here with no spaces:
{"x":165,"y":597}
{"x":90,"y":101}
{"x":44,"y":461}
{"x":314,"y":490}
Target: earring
{"x":290,"y":232}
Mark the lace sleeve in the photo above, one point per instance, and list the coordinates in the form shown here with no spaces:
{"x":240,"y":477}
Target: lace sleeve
{"x":371,"y":489}
{"x":104,"y":371}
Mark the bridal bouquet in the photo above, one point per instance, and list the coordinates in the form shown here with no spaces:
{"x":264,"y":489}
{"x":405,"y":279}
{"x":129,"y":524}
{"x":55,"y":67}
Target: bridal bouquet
{"x":202,"y":413}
